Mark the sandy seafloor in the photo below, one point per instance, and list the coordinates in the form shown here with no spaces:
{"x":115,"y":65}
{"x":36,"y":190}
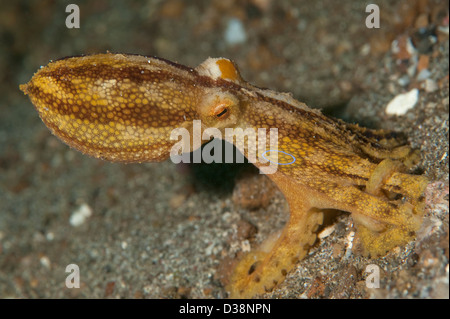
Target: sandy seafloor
{"x":160,"y":230}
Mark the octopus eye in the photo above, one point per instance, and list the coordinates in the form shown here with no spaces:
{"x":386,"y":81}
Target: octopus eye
{"x":221,"y":112}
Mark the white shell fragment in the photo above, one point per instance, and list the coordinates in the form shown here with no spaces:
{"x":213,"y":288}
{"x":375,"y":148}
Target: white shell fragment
{"x":235,"y":32}
{"x":80,"y":215}
{"x":350,"y":238}
{"x":326,"y":232}
{"x":400,"y":104}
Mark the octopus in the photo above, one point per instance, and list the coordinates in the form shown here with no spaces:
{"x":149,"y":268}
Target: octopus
{"x":124,"y":108}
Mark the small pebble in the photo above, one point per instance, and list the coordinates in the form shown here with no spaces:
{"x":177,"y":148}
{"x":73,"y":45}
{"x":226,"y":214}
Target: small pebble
{"x":365,"y":49}
{"x":45,"y":262}
{"x":350,"y":238}
{"x":235,"y":32}
{"x":50,"y":236}
{"x":443,"y":29}
{"x":431,"y":86}
{"x":400,"y":104}
{"x":423,"y":75}
{"x":326,"y":232}
{"x":80,"y":215}
{"x":404,"y":80}
{"x":423,"y":63}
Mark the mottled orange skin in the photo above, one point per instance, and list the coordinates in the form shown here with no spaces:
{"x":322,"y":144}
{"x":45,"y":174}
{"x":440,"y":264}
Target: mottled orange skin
{"x":115,"y":107}
{"x":123,"y":108}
